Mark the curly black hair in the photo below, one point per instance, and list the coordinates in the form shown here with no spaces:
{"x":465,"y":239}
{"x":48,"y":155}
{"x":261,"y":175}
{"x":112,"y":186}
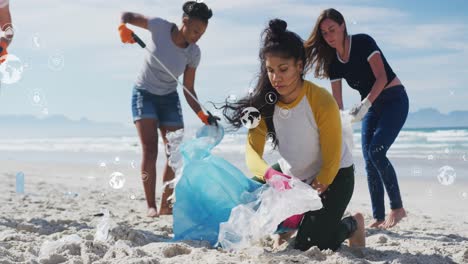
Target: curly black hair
{"x":277,"y":40}
{"x":199,"y":10}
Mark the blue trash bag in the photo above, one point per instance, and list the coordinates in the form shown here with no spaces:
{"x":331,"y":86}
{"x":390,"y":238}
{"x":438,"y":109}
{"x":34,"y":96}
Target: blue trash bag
{"x":208,"y":189}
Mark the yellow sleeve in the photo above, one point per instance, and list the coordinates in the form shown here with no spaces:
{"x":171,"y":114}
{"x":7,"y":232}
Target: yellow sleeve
{"x":254,"y":150}
{"x":327,"y":116}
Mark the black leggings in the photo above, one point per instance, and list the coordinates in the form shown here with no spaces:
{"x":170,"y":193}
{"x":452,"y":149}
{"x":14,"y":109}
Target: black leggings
{"x":325,"y":228}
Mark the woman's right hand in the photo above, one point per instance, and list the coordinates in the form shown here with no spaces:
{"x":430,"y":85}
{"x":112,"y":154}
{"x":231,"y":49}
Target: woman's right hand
{"x":3,"y":51}
{"x":126,"y":34}
{"x":277,"y":180}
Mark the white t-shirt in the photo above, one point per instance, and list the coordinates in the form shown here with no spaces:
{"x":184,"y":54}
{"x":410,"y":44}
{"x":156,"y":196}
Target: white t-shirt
{"x":4,"y":3}
{"x":301,"y":148}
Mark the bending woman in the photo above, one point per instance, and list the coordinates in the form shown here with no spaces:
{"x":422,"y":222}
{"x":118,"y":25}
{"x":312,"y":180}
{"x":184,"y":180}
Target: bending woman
{"x":305,"y":126}
{"x":155,"y":101}
{"x":356,"y":58}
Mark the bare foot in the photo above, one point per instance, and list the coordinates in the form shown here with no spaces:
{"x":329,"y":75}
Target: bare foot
{"x":152,"y":212}
{"x":394,"y":218}
{"x":284,"y":237}
{"x":376,"y":224}
{"x":358,"y":238}
{"x":165,"y":211}
{"x":166,"y":208}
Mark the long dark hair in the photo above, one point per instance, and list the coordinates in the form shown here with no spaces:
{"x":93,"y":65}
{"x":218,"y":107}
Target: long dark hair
{"x":319,"y":53}
{"x":198,"y":10}
{"x":276,"y":40}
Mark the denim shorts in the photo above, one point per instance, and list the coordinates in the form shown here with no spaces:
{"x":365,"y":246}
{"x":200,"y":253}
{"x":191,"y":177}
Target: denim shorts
{"x":163,"y":108}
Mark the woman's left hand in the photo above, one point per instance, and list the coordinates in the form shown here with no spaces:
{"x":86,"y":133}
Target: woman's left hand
{"x":321,"y":188}
{"x":359,"y":111}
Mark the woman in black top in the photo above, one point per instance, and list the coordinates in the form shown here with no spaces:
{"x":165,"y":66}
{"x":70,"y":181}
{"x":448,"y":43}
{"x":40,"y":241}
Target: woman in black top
{"x":336,"y":55}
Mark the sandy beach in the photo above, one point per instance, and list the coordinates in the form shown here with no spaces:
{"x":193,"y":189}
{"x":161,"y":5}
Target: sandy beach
{"x":57,"y":218}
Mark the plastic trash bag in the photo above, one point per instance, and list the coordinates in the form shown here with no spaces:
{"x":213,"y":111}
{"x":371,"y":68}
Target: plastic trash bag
{"x":207,"y":187}
{"x":216,"y":202}
{"x":252,"y":221}
{"x":103,"y":228}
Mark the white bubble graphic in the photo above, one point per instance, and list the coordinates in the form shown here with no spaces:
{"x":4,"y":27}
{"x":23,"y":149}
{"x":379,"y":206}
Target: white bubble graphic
{"x":11,"y":70}
{"x":56,"y":61}
{"x":250,"y":117}
{"x":117,"y":180}
{"x":446,"y":175}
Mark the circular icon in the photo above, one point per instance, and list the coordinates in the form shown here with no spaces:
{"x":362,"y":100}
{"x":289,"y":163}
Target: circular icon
{"x":271,"y":98}
{"x":144,"y":176}
{"x":56,"y":61}
{"x":416,"y":171}
{"x":102,"y":168}
{"x":117,"y":180}
{"x":36,"y":40}
{"x":37,"y":98}
{"x":464,"y":195}
{"x":7,"y":31}
{"x":11,"y":69}
{"x":132,"y":197}
{"x":430,"y":157}
{"x":116,"y":160}
{"x":250,"y":117}
{"x":446,"y":175}
{"x":27,"y":64}
{"x":232,"y":98}
{"x":284,"y":113}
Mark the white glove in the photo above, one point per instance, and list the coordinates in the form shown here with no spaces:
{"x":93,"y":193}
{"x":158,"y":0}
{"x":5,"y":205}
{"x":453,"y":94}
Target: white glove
{"x":359,"y":111}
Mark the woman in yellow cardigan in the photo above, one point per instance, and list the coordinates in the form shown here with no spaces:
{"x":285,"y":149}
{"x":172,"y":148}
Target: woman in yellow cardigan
{"x":304,"y":123}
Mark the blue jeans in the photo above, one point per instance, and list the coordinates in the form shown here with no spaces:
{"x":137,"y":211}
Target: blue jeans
{"x":164,"y":108}
{"x":380,"y":127}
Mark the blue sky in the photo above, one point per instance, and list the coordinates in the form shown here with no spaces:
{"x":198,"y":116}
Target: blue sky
{"x":426,"y":43}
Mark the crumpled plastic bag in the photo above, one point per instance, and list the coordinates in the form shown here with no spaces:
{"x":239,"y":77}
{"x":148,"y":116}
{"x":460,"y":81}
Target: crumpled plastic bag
{"x":207,"y":187}
{"x":103,"y":228}
{"x":252,"y":221}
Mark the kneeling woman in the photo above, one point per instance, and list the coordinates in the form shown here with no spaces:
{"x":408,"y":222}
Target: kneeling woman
{"x":305,"y":126}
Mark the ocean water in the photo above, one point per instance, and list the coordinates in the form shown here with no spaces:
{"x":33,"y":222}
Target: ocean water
{"x":416,"y":151}
{"x":414,"y":143}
